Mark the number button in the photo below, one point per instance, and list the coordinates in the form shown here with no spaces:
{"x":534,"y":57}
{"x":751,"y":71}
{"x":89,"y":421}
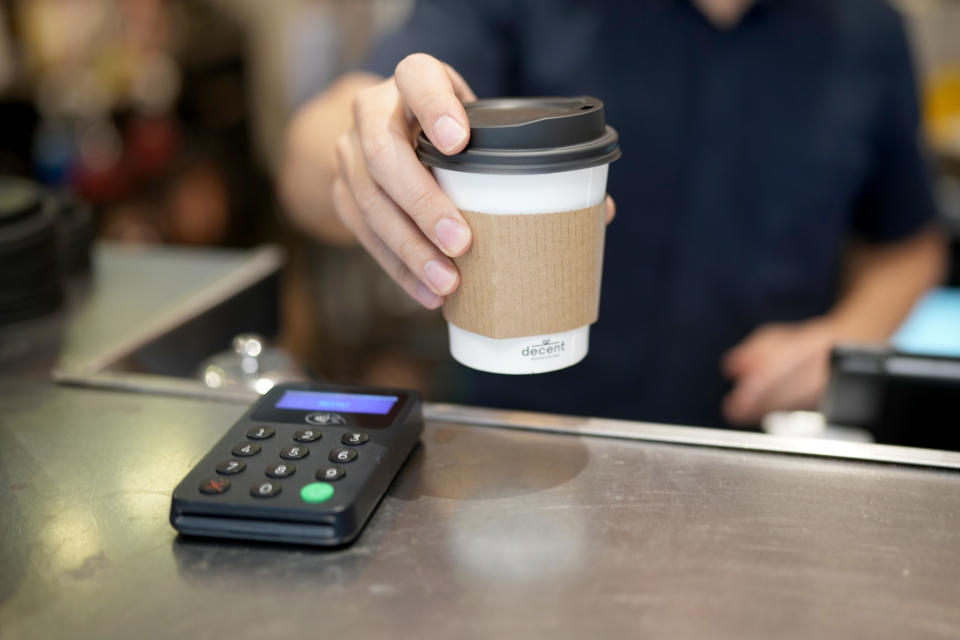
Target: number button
{"x":245,"y":449}
{"x":354,"y":439}
{"x":307,"y":435}
{"x":343,"y":455}
{"x":261,"y":433}
{"x":214,"y":486}
{"x":330,"y":474}
{"x":295,"y":452}
{"x":281,"y":470}
{"x":265,"y":489}
{"x":230,"y":467}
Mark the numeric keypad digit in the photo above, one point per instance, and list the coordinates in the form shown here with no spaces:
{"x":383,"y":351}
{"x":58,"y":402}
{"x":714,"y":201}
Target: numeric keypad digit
{"x":266,"y":489}
{"x":295,"y":452}
{"x":229,"y":467}
{"x":330,"y":474}
{"x":281,"y":470}
{"x":245,"y":449}
{"x":261,"y":433}
{"x":307,"y":435}
{"x":343,"y":455}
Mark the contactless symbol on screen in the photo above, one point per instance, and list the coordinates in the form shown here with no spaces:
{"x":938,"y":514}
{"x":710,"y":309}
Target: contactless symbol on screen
{"x":324,"y":417}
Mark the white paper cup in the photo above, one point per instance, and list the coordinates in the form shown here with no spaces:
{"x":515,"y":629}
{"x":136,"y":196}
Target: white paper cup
{"x":528,"y":156}
{"x":522,"y":194}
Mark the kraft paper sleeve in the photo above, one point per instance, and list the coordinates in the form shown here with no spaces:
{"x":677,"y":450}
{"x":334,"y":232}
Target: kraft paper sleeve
{"x":531,"y":274}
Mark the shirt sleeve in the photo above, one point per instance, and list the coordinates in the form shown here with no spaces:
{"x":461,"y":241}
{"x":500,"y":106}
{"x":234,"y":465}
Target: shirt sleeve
{"x":897,"y":198}
{"x":472,"y":36}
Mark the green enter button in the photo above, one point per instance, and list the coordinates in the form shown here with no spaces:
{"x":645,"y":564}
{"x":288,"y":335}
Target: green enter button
{"x":316,"y":492}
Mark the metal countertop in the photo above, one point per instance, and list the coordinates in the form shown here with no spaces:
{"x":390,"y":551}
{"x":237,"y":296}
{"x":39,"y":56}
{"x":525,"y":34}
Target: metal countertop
{"x":487,"y":532}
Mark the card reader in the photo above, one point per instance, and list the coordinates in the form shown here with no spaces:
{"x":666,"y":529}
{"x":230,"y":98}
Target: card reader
{"x":307,"y":464}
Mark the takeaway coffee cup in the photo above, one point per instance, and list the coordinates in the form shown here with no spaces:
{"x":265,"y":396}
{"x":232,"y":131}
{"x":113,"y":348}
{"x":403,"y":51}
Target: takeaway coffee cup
{"x":531,"y":184}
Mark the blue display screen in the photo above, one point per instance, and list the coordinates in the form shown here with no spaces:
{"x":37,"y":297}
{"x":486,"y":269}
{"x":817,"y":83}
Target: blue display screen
{"x":343,"y":402}
{"x":932,"y":327}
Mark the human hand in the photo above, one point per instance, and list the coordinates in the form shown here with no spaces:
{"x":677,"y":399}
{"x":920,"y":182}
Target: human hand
{"x":386,"y":197}
{"x":778,"y":367}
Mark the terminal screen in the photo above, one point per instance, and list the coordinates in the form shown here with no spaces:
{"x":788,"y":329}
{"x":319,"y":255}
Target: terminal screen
{"x":340,"y":402}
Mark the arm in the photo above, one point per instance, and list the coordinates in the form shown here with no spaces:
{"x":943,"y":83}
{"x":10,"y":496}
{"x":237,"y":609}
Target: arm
{"x":351,"y":173}
{"x":786,"y":366}
{"x":883,"y":283}
{"x":310,"y":163}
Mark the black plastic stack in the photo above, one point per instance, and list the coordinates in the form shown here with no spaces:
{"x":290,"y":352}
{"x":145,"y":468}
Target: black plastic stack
{"x":75,"y":234}
{"x":30,"y":274}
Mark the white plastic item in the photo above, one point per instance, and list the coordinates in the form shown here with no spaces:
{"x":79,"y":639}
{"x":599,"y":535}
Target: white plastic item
{"x":522,"y":194}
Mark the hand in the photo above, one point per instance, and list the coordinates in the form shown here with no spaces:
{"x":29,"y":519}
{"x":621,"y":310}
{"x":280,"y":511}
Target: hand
{"x":778,"y":367}
{"x":386,"y":197}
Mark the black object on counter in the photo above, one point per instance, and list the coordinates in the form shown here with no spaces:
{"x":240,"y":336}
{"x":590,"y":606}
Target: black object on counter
{"x":75,"y":233}
{"x":30,"y":276}
{"x":321,"y":493}
{"x":44,"y":236}
{"x":901,"y":398}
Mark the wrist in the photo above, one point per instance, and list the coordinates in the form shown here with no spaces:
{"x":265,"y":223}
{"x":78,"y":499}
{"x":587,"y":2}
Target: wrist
{"x":842,"y":325}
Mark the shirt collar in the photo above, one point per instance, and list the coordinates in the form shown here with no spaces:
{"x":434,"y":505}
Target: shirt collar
{"x":757,"y":6}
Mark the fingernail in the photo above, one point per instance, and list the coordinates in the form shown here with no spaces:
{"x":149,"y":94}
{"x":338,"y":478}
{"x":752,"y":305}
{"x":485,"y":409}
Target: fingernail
{"x":440,"y":275}
{"x":448,"y":133}
{"x":426,"y":297}
{"x":453,"y":235}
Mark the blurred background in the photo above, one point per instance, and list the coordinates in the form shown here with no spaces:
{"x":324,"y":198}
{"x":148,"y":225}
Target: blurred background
{"x":167,"y":117}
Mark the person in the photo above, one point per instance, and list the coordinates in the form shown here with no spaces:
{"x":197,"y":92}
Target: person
{"x":773,"y":197}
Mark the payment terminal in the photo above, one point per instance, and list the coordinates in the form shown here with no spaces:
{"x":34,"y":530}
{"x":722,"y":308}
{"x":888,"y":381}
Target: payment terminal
{"x":307,"y":464}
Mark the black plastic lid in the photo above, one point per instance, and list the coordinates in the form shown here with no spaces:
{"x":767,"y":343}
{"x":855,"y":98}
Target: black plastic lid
{"x":28,"y":215}
{"x":530,"y":135}
{"x":19,"y":199}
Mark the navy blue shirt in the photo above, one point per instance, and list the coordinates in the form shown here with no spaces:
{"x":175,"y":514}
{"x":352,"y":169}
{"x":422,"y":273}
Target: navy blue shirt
{"x":750,"y":157}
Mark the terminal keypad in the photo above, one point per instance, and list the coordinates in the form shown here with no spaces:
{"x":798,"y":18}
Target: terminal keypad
{"x":273,"y":470}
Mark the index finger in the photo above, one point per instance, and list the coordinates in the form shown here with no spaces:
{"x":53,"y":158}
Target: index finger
{"x":433,"y":93}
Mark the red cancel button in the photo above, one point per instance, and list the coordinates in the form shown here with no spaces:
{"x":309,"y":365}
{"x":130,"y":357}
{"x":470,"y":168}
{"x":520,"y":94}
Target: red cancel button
{"x":214,"y":485}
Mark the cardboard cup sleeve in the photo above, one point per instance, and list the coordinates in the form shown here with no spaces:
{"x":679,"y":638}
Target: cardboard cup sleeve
{"x":529,"y":274}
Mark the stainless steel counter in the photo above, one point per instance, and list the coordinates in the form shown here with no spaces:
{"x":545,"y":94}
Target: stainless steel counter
{"x":487,"y":532}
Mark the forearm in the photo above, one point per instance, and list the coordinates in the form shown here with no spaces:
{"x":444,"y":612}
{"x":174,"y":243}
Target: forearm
{"x":310,"y":163}
{"x":883,"y":282}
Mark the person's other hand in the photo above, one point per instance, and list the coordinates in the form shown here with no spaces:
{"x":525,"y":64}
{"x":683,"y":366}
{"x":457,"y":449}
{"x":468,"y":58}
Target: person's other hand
{"x":777,"y":367}
{"x":386,"y":197}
